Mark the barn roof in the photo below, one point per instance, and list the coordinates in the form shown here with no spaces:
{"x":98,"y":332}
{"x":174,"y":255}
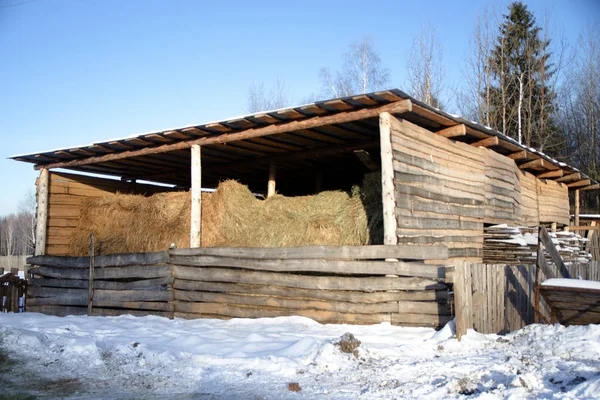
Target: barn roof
{"x":307,"y":137}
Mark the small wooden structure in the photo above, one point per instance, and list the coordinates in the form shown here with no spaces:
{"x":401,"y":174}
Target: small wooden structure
{"x":572,"y":305}
{"x":12,"y":289}
{"x":443,"y":179}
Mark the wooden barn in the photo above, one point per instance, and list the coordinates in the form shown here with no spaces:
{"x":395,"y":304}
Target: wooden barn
{"x":443,"y":180}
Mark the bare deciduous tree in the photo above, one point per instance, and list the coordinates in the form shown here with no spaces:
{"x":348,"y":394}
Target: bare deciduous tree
{"x":425,"y":68}
{"x":260,"y":99}
{"x":361,"y":72}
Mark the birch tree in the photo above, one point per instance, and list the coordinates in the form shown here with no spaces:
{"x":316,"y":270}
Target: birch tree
{"x":425,"y":68}
{"x":361,"y":72}
{"x":261,"y":99}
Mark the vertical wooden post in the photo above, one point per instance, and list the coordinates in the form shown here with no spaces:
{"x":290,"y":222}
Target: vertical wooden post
{"x":196,"y":211}
{"x":42,"y":213}
{"x":576,"y":208}
{"x":553,"y":227}
{"x":91,"y":277}
{"x":387,"y":180}
{"x":463,"y":298}
{"x":319,"y":182}
{"x":271,"y":184}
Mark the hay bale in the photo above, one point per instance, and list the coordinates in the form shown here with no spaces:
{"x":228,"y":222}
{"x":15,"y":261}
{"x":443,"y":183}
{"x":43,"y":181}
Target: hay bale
{"x":231,"y":216}
{"x":371,"y":198}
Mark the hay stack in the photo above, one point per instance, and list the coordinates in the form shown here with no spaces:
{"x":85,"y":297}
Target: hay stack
{"x":231,"y":216}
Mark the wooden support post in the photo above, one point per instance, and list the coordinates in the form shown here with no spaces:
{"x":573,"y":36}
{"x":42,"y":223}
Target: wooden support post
{"x":463,"y":298}
{"x":387,"y":180}
{"x":553,"y":227}
{"x":42,"y":212}
{"x":576,"y":208}
{"x":91,"y":277}
{"x":319,"y":182}
{"x":196,"y":209}
{"x":271,"y":185}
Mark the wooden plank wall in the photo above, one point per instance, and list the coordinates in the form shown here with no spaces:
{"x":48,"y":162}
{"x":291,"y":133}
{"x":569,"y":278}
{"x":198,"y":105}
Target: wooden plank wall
{"x":502,"y":189}
{"x":530,"y":213}
{"x":66,"y":193}
{"x":329,"y":285}
{"x":138,"y":284}
{"x":553,"y":198}
{"x":346,"y":284}
{"x":440,"y":190}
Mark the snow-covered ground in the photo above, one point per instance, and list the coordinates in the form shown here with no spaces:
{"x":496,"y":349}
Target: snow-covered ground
{"x":153,"y":357}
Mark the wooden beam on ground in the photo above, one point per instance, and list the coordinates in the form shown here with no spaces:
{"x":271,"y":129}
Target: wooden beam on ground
{"x":551,"y":174}
{"x":584,"y":182}
{"x":570,"y":177}
{"x":367,"y":160}
{"x":576,"y":207}
{"x":271,"y":184}
{"x":398,"y":107}
{"x":488,"y":142}
{"x":387,"y":179}
{"x":453,"y":131}
{"x":519,"y":155}
{"x":42,"y":213}
{"x":196,"y":208}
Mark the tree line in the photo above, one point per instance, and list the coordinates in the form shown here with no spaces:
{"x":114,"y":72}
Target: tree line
{"x":519,"y":77}
{"x":17,"y":230}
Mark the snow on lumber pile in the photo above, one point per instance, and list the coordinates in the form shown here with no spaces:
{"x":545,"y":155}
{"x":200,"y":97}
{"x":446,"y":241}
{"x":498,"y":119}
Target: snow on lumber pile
{"x":519,"y":245}
{"x":231,"y":216}
{"x":137,"y":284}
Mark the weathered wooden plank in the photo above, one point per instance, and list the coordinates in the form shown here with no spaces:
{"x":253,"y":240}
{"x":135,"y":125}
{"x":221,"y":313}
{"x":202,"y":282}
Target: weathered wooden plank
{"x":144,"y":272}
{"x":322,"y":252}
{"x":316,"y":265}
{"x":453,"y":131}
{"x":416,"y":319}
{"x":305,"y":281}
{"x":463,"y":298}
{"x":99,"y":284}
{"x":546,"y":240}
{"x":101,"y":295}
{"x":387,"y":179}
{"x":432,"y":308}
{"x":438,"y":194}
{"x":111,"y":260}
{"x":41,"y":229}
{"x":344,"y":296}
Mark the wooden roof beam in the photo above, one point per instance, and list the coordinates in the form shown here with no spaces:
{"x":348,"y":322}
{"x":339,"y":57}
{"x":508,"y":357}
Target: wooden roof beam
{"x":570,"y":177}
{"x":367,"y":160}
{"x":453,"y":131}
{"x":519,"y":155}
{"x":488,"y":142}
{"x":550,"y":174}
{"x":578,"y":184}
{"x":539,"y":163}
{"x":398,"y":107}
{"x":592,"y":187}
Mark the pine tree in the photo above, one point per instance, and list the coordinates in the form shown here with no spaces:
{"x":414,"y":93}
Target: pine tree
{"x":521,"y":97}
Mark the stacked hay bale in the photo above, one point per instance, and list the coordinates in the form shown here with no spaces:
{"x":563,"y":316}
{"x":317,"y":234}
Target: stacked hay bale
{"x":231,"y":216}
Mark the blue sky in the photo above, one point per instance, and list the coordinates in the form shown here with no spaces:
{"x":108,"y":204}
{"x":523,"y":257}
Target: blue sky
{"x":77,"y":71}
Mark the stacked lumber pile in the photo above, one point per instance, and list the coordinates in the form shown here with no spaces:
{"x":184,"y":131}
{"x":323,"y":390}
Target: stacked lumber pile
{"x":350,"y":284}
{"x":513,"y":245}
{"x":553,"y":198}
{"x":137,"y":284}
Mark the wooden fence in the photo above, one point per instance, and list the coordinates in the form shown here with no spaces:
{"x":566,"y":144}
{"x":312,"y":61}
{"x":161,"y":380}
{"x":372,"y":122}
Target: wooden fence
{"x":328,"y":284}
{"x":499,"y":298}
{"x":138,"y":284}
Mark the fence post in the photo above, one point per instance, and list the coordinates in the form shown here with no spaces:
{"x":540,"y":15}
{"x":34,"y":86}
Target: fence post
{"x":463,"y":297}
{"x":91,"y":277}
